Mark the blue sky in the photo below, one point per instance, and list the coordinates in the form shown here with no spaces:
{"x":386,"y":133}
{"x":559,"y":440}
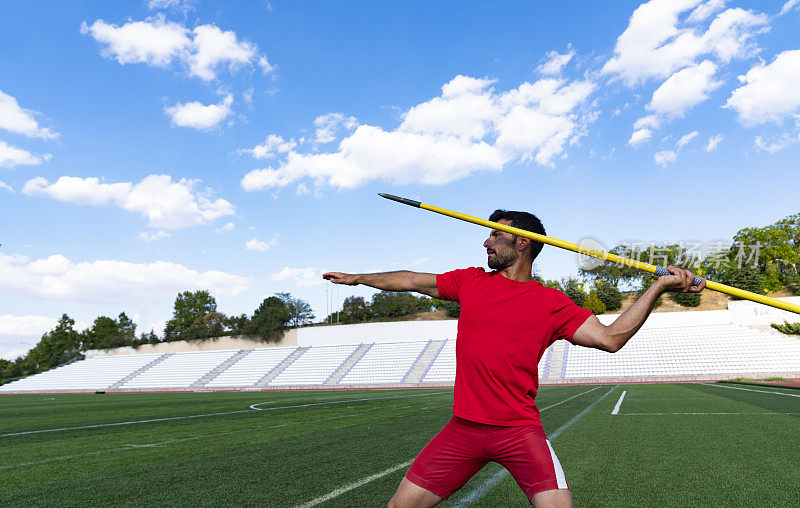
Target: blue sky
{"x":152,"y":147}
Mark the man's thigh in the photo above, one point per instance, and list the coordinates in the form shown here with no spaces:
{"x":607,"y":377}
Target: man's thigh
{"x":530,"y":459}
{"x":449,"y":460}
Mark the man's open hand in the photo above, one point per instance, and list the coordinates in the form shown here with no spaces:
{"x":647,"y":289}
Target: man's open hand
{"x":681,"y":281}
{"x":340,"y":278}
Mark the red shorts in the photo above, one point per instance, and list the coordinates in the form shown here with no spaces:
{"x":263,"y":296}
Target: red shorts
{"x":463,"y":447}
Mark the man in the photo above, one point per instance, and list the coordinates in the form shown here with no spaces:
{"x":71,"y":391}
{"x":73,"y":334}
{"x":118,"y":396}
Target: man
{"x":507,"y":321}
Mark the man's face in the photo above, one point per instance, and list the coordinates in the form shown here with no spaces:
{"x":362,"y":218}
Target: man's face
{"x":501,"y":248}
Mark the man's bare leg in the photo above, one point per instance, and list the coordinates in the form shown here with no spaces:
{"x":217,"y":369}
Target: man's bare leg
{"x":556,"y":498}
{"x":409,"y":495}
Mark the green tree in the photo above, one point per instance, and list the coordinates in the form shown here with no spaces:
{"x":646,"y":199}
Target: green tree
{"x":238,"y":325}
{"x":57,"y":346}
{"x":615,"y":273}
{"x":270,"y":319}
{"x":687,"y":299}
{"x":354,"y":310}
{"x":608,"y":294}
{"x":573,"y":288}
{"x":300,"y":311}
{"x":594,"y":304}
{"x":187,"y":316}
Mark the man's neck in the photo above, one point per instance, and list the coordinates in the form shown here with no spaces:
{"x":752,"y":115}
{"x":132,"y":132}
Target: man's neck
{"x":519,"y":271}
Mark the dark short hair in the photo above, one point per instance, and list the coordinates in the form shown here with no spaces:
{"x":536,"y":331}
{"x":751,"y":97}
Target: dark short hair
{"x":522,"y":220}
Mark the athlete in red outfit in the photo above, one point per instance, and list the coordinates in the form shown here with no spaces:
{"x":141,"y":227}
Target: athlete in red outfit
{"x":507,"y":321}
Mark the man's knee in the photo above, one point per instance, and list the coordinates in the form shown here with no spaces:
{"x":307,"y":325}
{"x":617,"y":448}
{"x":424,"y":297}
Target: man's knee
{"x":411,"y":495}
{"x":556,"y":498}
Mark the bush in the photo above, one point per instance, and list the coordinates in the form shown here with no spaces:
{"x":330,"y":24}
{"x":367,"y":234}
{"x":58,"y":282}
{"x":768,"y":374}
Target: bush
{"x":793,"y":284}
{"x":773,"y":280}
{"x":787,"y":328}
{"x":594,"y":304}
{"x":747,"y":278}
{"x":686,"y":299}
{"x":453,"y":308}
{"x":574,"y":290}
{"x":608,"y":294}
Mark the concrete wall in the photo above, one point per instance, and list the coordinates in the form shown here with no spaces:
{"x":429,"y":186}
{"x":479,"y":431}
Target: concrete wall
{"x":240,"y":342}
{"x":397,"y":331}
{"x":745,"y":312}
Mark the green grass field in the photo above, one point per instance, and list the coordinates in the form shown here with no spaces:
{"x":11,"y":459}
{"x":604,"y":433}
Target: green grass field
{"x":669,"y":445}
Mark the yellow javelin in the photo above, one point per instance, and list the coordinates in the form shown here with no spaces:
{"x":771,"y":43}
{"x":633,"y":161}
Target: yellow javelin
{"x":607,"y":256}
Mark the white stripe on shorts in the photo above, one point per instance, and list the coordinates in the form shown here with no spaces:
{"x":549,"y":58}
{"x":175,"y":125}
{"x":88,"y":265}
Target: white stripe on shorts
{"x":561,"y":480}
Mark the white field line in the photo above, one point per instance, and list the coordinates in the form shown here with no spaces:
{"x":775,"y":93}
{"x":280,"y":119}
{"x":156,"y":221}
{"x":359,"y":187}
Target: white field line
{"x":489,"y":484}
{"x":619,"y":403}
{"x":567,"y":400}
{"x":129,"y":447}
{"x":133,"y":422}
{"x":354,"y":485}
{"x":661,"y":414}
{"x":253,"y":407}
{"x":751,"y":390}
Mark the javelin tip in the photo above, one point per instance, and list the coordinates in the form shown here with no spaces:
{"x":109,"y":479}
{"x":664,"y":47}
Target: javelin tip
{"x":405,"y":201}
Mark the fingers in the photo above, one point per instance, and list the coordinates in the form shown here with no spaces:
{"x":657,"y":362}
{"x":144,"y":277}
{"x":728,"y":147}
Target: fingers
{"x":683,"y":281}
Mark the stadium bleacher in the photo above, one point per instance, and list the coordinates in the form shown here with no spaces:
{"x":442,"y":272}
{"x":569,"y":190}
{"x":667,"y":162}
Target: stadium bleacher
{"x":693,"y":351}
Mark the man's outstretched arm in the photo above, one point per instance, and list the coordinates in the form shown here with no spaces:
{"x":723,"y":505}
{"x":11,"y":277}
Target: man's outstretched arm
{"x":424,"y":283}
{"x":611,"y":338}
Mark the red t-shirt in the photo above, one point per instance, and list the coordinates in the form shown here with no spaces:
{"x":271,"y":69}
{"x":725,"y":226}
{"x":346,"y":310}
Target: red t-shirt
{"x":504,"y":328}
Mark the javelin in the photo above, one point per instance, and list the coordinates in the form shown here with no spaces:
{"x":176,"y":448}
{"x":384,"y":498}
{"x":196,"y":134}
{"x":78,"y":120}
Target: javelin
{"x":607,"y":256}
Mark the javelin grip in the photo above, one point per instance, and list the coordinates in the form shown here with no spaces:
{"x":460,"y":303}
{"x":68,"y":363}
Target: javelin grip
{"x":663,"y":270}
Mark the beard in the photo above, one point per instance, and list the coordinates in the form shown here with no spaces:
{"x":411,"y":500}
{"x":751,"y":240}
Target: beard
{"x":500,"y":261}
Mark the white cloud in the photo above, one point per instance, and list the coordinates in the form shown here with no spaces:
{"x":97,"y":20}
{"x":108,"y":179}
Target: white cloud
{"x":302,"y":277}
{"x":167,"y":204}
{"x":227,"y":227}
{"x":104,"y":281}
{"x":555,"y":62}
{"x":705,"y":10}
{"x":257,"y":245}
{"x":159,"y":43}
{"x":657,"y":42}
{"x":420,"y":261}
{"x":181,"y":5}
{"x":686,"y":139}
{"x":4,"y":185}
{"x":640,"y":136}
{"x":328,"y":126}
{"x":788,"y":6}
{"x":15,"y":119}
{"x":770,"y":92}
{"x":471,"y":127}
{"x":152,"y":237}
{"x":713,"y":141}
{"x":199,"y":116}
{"x":664,"y":158}
{"x":273,"y":145}
{"x":11,"y":156}
{"x":78,"y":191}
{"x":26,"y":326}
{"x":213,"y":47}
{"x":776,"y":144}
{"x":155,"y":41}
{"x":684,"y":90}
{"x":649,"y":121}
